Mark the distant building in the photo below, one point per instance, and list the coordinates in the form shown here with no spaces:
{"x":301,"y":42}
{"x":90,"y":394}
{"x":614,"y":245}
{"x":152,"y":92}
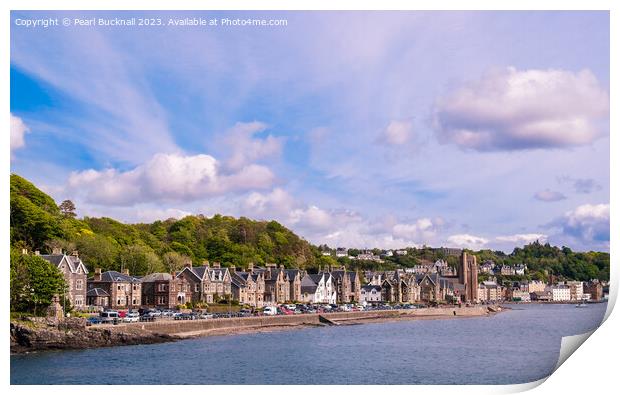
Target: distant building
{"x":342,"y":252}
{"x":595,"y":289}
{"x":370,"y":294}
{"x":560,"y":293}
{"x":576,"y":290}
{"x":209,"y":284}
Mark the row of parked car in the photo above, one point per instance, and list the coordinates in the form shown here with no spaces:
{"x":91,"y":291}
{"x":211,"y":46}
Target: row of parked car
{"x":143,"y":315}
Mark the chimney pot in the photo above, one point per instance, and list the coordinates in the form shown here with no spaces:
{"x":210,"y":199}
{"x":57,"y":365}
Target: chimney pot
{"x":24,"y":251}
{"x":56,"y":251}
{"x":75,"y":253}
{"x":36,"y":252}
{"x":126,"y":272}
{"x":216,"y":265}
{"x":232,"y":269}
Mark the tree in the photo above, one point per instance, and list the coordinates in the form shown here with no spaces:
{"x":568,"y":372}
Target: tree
{"x":140,"y":260}
{"x":34,"y":282}
{"x":67,"y":208}
{"x":173,"y":261}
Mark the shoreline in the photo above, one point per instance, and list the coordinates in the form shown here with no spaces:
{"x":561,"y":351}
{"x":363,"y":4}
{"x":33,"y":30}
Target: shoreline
{"x":71,"y":335}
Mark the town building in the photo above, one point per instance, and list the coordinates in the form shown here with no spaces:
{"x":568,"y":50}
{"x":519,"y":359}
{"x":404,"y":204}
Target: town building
{"x":209,"y":284}
{"x":318,"y":288}
{"x":247,"y":287}
{"x":165,"y":290}
{"x":595,"y":289}
{"x":348,"y":285}
{"x":123,"y":291}
{"x":576,"y":290}
{"x":370,"y":294}
{"x":75,"y":274}
{"x":560,"y":293}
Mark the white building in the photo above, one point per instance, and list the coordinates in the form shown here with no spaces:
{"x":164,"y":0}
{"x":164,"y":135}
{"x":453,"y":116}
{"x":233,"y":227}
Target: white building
{"x":560,"y":293}
{"x":370,"y":294}
{"x":318,"y":288}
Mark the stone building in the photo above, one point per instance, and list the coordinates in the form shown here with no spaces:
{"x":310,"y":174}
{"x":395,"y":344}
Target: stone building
{"x":75,"y":273}
{"x":164,"y":290}
{"x":594,"y":288}
{"x":348,"y":285}
{"x":124,"y":291}
{"x":208,"y":284}
{"x":277,"y":284}
{"x":294,"y":278}
{"x":247,"y":287}
{"x":468,"y":276}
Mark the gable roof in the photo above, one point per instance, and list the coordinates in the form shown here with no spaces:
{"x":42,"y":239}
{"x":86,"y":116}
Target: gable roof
{"x":97,"y":292}
{"x":112,"y":276}
{"x":73,"y":262}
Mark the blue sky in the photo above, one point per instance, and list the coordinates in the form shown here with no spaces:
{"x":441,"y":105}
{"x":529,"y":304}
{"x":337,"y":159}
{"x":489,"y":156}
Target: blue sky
{"x":359,"y":129}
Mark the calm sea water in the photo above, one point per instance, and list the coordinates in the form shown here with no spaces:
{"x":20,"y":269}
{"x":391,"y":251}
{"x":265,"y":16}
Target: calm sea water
{"x":517,"y":346}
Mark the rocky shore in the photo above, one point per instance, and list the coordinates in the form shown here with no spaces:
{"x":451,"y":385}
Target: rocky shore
{"x":37,"y":334}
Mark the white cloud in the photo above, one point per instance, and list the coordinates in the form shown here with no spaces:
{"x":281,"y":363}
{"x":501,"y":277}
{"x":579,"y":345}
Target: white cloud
{"x":422,"y":230}
{"x":397,"y":133}
{"x":510,"y":110}
{"x":549,"y":196}
{"x":148,"y":215}
{"x":586,"y":223}
{"x":18,"y":130}
{"x":167,"y":177}
{"x":245,"y":148}
{"x":468,"y":241}
{"x":523,"y":238}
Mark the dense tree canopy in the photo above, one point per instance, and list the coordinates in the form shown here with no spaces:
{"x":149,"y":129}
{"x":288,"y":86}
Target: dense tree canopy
{"x":34,"y":282}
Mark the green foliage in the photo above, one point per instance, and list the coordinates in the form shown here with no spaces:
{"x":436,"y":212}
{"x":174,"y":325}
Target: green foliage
{"x":543,"y":260}
{"x":34,"y":282}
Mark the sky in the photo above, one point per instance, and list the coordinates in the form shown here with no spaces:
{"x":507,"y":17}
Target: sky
{"x":355,"y":129}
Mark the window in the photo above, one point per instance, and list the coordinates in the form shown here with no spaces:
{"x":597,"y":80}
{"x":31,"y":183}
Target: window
{"x":196,"y":287}
{"x":78,"y":284}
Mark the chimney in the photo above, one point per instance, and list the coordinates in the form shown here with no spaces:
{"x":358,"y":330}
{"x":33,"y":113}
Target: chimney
{"x":75,"y":253}
{"x":126,"y":272}
{"x":37,"y":252}
{"x":250,"y":267}
{"x":24,"y":251}
{"x":205,"y":263}
{"x":216,"y":265}
{"x":281,"y":266}
{"x":97,"y":274}
{"x":56,"y":251}
{"x":188,"y":263}
{"x":232,"y":269}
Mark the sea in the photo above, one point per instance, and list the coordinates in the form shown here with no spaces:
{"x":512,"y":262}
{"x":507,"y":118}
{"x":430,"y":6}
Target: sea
{"x":519,"y":345}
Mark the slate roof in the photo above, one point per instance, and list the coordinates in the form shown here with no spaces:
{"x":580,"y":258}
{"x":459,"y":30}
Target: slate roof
{"x":112,"y":276}
{"x":371,"y":287}
{"x":73,"y":261}
{"x":97,"y":292}
{"x":157,"y":277}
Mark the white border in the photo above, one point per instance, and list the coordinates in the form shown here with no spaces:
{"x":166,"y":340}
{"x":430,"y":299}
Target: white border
{"x":592,"y":369}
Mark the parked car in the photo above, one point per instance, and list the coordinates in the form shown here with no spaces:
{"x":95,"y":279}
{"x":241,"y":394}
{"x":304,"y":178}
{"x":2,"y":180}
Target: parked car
{"x":93,"y":321}
{"x":109,"y":316}
{"x":270,"y":310}
{"x":204,"y":316}
{"x":132,"y":316}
